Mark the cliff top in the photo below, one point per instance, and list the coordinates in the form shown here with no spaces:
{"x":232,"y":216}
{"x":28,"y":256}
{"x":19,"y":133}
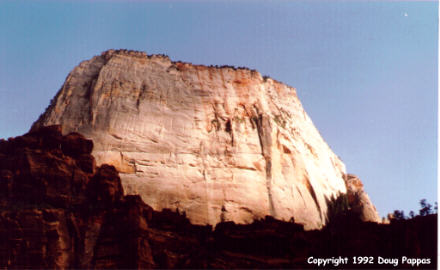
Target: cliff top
{"x":181,"y":64}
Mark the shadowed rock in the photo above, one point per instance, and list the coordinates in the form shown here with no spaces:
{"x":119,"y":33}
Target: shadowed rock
{"x":359,"y":200}
{"x":55,"y":214}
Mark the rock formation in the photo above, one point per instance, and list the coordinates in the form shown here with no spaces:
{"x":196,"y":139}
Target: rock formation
{"x":359,"y":200}
{"x":59,"y":211}
{"x":218,"y":143}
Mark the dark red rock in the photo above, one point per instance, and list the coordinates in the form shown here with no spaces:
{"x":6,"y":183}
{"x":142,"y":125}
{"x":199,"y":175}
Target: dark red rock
{"x":105,"y":187}
{"x":58,"y":210}
{"x":75,"y":145}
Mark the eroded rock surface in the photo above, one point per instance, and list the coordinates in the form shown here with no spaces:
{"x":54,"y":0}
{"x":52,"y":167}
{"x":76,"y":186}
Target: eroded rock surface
{"x":59,"y":211}
{"x":218,"y":143}
{"x":359,"y":201}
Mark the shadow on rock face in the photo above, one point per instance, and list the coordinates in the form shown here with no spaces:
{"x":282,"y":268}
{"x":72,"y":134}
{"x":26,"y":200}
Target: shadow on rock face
{"x":58,"y":210}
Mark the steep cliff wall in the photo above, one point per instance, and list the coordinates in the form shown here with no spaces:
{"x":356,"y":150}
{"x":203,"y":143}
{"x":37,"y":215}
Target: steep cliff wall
{"x":58,"y":210}
{"x":218,"y":143}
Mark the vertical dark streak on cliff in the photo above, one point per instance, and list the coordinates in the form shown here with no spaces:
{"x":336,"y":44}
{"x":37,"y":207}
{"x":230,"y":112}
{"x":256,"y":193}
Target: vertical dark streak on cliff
{"x":300,"y":194}
{"x":312,"y":192}
{"x":264,"y":149}
{"x":269,"y":186}
{"x":89,"y":95}
{"x":228,"y":129}
{"x":140,"y":96}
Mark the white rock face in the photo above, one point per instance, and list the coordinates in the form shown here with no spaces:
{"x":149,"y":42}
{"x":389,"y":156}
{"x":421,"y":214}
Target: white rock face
{"x":216,"y":143}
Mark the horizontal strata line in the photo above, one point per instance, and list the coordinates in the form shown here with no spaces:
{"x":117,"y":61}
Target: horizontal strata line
{"x":175,"y":165}
{"x":167,"y":153}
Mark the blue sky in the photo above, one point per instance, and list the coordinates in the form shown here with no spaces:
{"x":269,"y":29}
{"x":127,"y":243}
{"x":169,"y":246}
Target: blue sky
{"x":365,"y":71}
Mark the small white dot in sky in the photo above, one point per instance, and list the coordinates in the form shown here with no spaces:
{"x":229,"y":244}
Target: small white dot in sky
{"x":405,"y":14}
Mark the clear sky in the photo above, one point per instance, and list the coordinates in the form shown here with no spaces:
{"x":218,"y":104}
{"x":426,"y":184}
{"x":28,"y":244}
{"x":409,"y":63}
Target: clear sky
{"x":365,"y":71}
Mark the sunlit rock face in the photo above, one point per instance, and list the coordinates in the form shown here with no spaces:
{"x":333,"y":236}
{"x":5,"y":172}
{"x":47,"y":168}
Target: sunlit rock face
{"x":359,"y":200}
{"x":218,"y":143}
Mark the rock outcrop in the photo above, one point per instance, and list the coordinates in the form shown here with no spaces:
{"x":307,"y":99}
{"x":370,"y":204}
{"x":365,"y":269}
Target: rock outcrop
{"x":218,"y":143}
{"x":359,"y":201}
{"x":59,"y":211}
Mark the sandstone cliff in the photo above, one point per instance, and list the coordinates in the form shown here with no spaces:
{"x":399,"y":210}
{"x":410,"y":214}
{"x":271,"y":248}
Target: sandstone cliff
{"x":217,"y":143}
{"x":58,"y":210}
{"x":359,"y":200}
